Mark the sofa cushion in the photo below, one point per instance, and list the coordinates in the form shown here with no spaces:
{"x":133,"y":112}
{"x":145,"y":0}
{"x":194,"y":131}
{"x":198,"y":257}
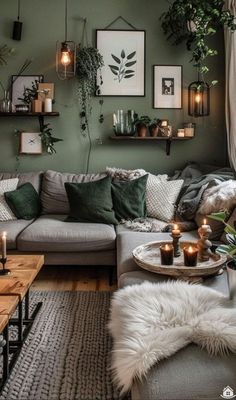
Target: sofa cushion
{"x":6,"y":185}
{"x":91,"y":202}
{"x":13,"y":229}
{"x":126,"y":243}
{"x":53,"y":196}
{"x":24,"y":202}
{"x":49,"y":233}
{"x":35,"y":178}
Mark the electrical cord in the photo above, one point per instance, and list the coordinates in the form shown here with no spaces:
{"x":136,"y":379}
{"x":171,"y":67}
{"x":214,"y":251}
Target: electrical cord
{"x":89,"y":149}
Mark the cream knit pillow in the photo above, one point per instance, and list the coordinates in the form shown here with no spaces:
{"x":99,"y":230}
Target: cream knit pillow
{"x":161,"y":196}
{"x":6,"y":185}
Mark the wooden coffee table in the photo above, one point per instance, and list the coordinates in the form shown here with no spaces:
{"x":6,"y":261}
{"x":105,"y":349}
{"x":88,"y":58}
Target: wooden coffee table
{"x":14,"y":290}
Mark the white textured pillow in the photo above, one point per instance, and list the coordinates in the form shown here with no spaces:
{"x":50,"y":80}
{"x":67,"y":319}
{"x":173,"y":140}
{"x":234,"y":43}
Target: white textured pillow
{"x":6,"y":185}
{"x":222,"y":196}
{"x":161,"y":197}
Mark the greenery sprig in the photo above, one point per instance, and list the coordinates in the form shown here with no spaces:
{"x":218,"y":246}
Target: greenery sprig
{"x":48,"y":140}
{"x":193,"y":22}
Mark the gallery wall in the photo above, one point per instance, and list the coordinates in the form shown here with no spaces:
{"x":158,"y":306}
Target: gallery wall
{"x":43,"y":26}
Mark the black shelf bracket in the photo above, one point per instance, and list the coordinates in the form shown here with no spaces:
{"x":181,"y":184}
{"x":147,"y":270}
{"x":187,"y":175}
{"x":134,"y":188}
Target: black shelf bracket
{"x":168,"y":146}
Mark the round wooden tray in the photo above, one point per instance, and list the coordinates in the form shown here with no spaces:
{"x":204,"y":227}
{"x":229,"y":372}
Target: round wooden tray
{"x":147,"y":256}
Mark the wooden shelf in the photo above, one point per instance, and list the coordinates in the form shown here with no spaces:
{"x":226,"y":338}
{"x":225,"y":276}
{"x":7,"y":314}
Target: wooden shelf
{"x":168,"y":140}
{"x":39,"y":115}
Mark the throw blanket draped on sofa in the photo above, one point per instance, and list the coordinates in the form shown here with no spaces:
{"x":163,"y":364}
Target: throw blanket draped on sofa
{"x":150,"y":322}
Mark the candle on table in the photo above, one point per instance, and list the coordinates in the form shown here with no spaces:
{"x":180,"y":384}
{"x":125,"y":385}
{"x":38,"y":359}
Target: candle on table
{"x":190,"y":256}
{"x":167,"y":254}
{"x":176,"y":230}
{"x":4,"y":245}
{"x":205,"y":226}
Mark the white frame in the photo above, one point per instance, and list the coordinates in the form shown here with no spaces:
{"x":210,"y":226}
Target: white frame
{"x":113,"y":42}
{"x":30,"y":143}
{"x":168,"y":78}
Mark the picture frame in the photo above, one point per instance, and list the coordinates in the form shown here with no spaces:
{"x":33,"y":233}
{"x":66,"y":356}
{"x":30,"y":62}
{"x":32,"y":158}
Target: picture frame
{"x":30,"y":143}
{"x":168,"y":86}
{"x":124,"y":55}
{"x":19,"y":83}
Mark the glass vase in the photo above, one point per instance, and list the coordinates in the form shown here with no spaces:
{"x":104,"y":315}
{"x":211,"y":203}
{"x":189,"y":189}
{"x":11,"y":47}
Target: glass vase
{"x":6,"y":104}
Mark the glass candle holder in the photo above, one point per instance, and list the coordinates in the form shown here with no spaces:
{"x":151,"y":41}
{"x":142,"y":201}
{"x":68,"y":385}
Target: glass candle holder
{"x":190,"y":256}
{"x":167,"y":254}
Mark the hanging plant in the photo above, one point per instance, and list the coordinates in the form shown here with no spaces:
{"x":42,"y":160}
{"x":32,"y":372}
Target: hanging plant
{"x":89,"y":63}
{"x":192,"y":22}
{"x":48,"y":140}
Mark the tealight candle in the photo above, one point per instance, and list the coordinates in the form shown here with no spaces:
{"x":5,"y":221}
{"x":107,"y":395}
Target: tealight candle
{"x":4,"y":245}
{"x":167,"y":254}
{"x":190,"y":256}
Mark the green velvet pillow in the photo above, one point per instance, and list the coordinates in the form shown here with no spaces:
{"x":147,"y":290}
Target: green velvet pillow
{"x":91,"y":201}
{"x":24,"y":202}
{"x":129,"y":198}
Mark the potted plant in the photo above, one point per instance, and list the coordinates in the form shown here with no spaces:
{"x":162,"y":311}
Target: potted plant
{"x":193,"y":22}
{"x":228,"y":249}
{"x":154,"y":127}
{"x":88,"y":65}
{"x":142,"y":125}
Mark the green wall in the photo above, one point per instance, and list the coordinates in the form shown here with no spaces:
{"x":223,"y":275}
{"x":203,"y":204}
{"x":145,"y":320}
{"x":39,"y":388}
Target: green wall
{"x":43,"y":26}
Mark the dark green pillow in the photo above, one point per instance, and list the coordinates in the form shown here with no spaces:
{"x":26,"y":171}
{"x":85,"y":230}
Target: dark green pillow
{"x":91,"y":201}
{"x":24,"y":202}
{"x":129,"y":198}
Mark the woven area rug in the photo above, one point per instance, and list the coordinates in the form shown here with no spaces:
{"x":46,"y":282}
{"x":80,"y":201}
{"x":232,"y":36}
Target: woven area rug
{"x":67,"y":353}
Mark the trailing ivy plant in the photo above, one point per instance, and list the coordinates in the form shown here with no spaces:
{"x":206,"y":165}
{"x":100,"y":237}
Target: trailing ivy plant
{"x":89,"y":63}
{"x":192,"y":22}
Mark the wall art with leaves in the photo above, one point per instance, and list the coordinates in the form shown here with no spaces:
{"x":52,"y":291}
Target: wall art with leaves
{"x":123,"y":53}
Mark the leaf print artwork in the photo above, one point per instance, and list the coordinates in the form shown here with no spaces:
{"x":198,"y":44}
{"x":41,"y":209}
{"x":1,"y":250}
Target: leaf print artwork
{"x":122,"y":69}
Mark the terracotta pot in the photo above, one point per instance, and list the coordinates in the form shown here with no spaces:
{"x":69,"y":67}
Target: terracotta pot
{"x":141,"y":129}
{"x":153,"y":129}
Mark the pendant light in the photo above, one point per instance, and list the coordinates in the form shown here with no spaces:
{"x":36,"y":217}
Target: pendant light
{"x":17,"y":26}
{"x":198,"y":98}
{"x":66,"y":55}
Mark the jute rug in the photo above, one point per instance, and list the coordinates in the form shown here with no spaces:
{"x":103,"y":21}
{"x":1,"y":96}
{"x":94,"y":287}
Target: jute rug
{"x":67,"y":353}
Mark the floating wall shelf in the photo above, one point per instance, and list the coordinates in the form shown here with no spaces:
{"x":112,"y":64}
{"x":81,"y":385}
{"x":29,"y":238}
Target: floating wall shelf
{"x":168,"y":140}
{"x":40,"y":116}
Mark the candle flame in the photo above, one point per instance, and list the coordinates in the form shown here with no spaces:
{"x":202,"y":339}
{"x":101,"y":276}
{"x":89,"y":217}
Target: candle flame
{"x":190,"y":249}
{"x":4,"y":234}
{"x":176,"y":227}
{"x":204,"y":221}
{"x":167,"y":247}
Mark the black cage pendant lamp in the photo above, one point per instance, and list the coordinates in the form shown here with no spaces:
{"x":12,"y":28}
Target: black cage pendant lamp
{"x":66,"y":55}
{"x":198,"y":98}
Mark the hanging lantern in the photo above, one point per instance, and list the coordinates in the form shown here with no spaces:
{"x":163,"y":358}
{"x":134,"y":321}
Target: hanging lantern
{"x":66,"y":55}
{"x":198,"y":99}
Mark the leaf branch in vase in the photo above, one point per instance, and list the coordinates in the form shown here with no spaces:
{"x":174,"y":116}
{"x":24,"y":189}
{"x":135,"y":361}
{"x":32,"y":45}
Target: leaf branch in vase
{"x":121,"y":70}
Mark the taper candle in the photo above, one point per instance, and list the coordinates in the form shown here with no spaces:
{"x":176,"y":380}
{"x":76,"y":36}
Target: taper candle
{"x":4,"y":245}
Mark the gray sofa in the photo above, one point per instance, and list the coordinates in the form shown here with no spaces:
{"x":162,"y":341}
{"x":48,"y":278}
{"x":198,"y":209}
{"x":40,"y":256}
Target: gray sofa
{"x":191,"y":373}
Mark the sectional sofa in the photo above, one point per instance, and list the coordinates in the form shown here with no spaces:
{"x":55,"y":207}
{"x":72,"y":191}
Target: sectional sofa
{"x":189,"y":374}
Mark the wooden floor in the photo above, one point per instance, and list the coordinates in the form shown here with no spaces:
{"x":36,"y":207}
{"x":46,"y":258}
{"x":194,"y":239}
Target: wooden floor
{"x":73,"y":278}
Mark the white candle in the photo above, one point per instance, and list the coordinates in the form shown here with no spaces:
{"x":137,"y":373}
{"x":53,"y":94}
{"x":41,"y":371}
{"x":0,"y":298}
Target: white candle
{"x":176,"y":230}
{"x":4,"y":245}
{"x":205,"y":226}
{"x":48,"y":105}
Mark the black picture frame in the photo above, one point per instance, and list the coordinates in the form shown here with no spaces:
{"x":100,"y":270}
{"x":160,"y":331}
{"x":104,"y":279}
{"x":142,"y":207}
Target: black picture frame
{"x":18,"y":83}
{"x":176,"y":91}
{"x":103,"y":92}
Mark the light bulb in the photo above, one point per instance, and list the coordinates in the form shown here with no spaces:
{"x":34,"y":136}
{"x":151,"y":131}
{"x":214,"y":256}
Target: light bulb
{"x":198,"y":98}
{"x":65,"y":58}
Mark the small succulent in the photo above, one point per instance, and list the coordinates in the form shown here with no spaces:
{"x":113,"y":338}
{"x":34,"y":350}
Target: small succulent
{"x":144,"y":119}
{"x":121,"y":69}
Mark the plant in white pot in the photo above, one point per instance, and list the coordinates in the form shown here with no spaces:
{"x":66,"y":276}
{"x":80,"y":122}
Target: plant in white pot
{"x":228,"y":249}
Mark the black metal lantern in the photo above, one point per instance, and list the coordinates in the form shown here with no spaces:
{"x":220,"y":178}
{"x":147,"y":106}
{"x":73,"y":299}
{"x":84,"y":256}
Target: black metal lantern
{"x":17,"y":25}
{"x":198,"y":99}
{"x":66,"y":55}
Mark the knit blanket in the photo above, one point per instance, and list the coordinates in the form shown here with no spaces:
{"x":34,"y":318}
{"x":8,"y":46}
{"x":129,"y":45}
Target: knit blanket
{"x":150,"y":322}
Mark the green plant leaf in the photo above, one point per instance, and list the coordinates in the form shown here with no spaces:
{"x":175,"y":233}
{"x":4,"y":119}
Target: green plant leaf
{"x":129,"y":71}
{"x":116,"y":59}
{"x":219,"y":216}
{"x":130,"y":63}
{"x":131,"y":55}
{"x":128,"y":76}
{"x":122,"y":54}
{"x":114,"y":67}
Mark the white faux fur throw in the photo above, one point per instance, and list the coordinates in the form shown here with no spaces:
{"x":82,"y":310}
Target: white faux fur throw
{"x":150,"y":322}
{"x":216,"y":198}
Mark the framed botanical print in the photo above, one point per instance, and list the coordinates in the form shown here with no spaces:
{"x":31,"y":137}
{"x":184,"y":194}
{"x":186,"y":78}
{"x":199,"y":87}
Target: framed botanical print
{"x":20,"y":83}
{"x":123,"y":51}
{"x":30,"y":143}
{"x":168,"y":83}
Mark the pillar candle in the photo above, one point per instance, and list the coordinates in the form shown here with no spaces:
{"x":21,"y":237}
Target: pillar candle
{"x":4,"y":245}
{"x":167,"y":254}
{"x":48,"y":105}
{"x":190,"y":256}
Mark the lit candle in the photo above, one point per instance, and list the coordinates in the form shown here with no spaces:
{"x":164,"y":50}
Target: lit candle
{"x":4,"y":245}
{"x":190,"y":256}
{"x":167,"y":254}
{"x":176,"y":230}
{"x":205,"y":226}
